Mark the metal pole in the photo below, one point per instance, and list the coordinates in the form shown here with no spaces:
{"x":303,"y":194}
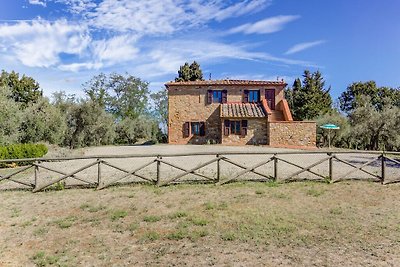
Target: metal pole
{"x":330,"y":167}
{"x":329,"y":138}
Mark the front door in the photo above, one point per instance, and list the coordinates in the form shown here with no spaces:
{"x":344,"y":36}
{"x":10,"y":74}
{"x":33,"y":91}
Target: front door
{"x":270,"y":97}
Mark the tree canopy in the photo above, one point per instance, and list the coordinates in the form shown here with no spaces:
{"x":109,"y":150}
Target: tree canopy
{"x":121,"y":95}
{"x":23,"y":90}
{"x":310,"y":98}
{"x":190,"y":72}
{"x":378,"y":96}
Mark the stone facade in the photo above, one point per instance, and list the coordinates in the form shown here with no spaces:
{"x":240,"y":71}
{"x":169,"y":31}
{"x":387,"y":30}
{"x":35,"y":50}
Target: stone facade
{"x":256,"y":134}
{"x":292,"y":133}
{"x":189,"y":104}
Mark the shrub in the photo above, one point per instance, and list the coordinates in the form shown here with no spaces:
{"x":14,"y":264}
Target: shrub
{"x":10,"y":118}
{"x":43,"y":122}
{"x":22,"y":151}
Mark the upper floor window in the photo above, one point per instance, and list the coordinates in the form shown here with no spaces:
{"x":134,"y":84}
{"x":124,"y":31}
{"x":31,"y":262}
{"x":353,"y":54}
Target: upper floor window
{"x":251,"y":96}
{"x":217,"y":96}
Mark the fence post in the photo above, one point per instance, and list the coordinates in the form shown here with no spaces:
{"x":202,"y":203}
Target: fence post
{"x":383,"y":165}
{"x":158,"y":170}
{"x":218,"y":168}
{"x":36,"y":173}
{"x":275,"y":168}
{"x":98,"y":172}
{"x":330,"y":167}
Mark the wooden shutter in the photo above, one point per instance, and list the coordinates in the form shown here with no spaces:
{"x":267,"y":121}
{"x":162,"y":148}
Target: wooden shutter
{"x":224,"y":96}
{"x":246,"y":96}
{"x":186,"y":129}
{"x":202,"y":128}
{"x":227,"y":127}
{"x":243,"y":130}
{"x":209,"y":96}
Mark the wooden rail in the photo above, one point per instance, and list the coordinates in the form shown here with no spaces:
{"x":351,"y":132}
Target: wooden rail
{"x":274,"y":160}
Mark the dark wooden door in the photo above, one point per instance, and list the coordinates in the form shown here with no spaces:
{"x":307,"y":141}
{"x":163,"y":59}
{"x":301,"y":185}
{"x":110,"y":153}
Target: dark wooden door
{"x":270,"y":97}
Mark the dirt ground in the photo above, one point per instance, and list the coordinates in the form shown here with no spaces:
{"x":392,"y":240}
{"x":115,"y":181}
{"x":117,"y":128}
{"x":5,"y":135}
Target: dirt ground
{"x":240,"y":224}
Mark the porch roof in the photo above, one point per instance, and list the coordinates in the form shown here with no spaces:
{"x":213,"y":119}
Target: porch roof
{"x":242,"y":110}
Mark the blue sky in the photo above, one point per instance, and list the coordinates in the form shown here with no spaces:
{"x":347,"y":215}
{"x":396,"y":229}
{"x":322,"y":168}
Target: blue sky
{"x":63,"y":43}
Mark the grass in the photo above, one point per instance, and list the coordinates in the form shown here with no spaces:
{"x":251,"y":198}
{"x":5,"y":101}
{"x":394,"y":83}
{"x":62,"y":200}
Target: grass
{"x":118,"y":214}
{"x":92,"y":208}
{"x":150,"y":236}
{"x":199,"y":221}
{"x":66,"y":222}
{"x":41,"y":260}
{"x":178,"y":214}
{"x":151,"y":218}
{"x":290,"y":223}
{"x":315,"y":192}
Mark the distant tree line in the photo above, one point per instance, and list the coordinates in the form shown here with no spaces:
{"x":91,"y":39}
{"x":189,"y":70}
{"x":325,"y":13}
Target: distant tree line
{"x":368,"y":115}
{"x":116,"y":109}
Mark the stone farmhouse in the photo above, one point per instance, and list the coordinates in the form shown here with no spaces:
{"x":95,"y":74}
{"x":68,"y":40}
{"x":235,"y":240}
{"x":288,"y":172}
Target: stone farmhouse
{"x":234,"y":112}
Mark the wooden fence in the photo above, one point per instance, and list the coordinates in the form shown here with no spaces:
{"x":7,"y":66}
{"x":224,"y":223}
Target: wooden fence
{"x":222,"y":168}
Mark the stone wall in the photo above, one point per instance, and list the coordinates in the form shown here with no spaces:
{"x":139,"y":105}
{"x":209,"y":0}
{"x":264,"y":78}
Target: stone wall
{"x":292,"y":133}
{"x":189,"y":104}
{"x":256,"y":134}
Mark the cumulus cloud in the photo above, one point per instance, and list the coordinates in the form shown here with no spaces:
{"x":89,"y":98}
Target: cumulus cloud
{"x":268,"y":25}
{"x":303,"y":46}
{"x":40,"y":43}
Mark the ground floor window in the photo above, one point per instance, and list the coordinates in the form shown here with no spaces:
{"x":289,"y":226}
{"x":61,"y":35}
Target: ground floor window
{"x":237,"y":127}
{"x":194,"y":128}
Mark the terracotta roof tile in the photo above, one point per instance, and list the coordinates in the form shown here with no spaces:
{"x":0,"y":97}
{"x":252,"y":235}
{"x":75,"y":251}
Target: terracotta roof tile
{"x":242,"y":110}
{"x":226,"y":82}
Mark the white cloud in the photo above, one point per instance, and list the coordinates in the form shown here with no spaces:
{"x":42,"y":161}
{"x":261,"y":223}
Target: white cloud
{"x":117,"y":49}
{"x":154,"y":17}
{"x":38,"y":2}
{"x":75,"y":67}
{"x":269,"y":25}
{"x":166,"y":57}
{"x":303,"y":46}
{"x":40,"y":43}
{"x":77,"y":6}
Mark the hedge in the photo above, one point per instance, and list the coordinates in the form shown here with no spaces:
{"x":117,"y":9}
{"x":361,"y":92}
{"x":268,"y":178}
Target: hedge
{"x":22,"y":151}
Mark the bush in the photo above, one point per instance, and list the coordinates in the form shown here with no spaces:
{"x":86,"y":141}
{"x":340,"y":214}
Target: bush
{"x":43,"y":122}
{"x":10,"y":118}
{"x":22,"y":151}
{"x":88,"y":125}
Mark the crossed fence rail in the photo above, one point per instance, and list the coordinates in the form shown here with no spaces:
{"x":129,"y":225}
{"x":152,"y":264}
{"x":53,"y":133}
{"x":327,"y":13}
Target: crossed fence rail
{"x":219,"y":168}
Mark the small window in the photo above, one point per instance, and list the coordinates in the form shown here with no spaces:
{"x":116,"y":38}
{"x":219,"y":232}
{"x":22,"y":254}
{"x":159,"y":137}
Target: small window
{"x":254,"y":96}
{"x":216,"y":96}
{"x":235,"y":127}
{"x":197,"y":128}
